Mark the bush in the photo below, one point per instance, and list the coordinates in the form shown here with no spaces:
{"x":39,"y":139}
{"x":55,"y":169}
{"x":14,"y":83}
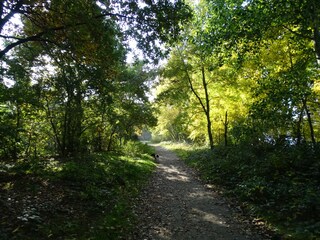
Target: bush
{"x":135,"y":148}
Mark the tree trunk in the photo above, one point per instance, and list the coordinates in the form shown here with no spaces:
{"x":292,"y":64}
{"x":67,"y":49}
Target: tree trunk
{"x":110,"y":139}
{"x":54,"y":127}
{"x":309,"y":121}
{"x":207,"y":112}
{"x":299,"y":124}
{"x":226,"y":122}
{"x":205,"y":106}
{"x":15,"y":150}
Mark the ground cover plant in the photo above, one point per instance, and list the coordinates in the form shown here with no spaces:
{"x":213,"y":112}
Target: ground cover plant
{"x":85,"y":197}
{"x":277,"y":184}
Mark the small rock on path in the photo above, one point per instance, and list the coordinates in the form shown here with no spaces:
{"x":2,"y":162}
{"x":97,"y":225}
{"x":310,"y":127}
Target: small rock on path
{"x":176,"y":205}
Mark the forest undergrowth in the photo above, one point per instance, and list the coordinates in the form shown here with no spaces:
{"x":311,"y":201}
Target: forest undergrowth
{"x":277,"y":184}
{"x":84,"y":197}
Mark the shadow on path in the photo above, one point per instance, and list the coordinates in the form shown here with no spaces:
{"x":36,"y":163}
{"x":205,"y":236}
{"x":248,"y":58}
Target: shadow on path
{"x":175,"y":205}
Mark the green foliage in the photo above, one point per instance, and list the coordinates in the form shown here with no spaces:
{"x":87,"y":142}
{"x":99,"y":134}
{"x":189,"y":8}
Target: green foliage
{"x":134,"y":148}
{"x":71,"y":91}
{"x":278,"y":183}
{"x":172,"y":124}
{"x":80,"y":21}
{"x":83,"y":198}
{"x":242,"y":72}
{"x":242,"y":24}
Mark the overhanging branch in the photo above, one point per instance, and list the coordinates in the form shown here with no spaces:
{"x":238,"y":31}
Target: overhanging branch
{"x":39,"y":36}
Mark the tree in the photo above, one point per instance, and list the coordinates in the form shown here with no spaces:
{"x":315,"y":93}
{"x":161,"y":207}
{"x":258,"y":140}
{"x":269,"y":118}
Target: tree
{"x":50,"y":20}
{"x":251,"y":21}
{"x":21,"y":106}
{"x":193,"y":50}
{"x":75,"y":67}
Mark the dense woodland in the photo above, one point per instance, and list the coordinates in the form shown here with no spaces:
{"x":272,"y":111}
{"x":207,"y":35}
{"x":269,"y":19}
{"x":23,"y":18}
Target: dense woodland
{"x":240,"y":81}
{"x":66,"y":87}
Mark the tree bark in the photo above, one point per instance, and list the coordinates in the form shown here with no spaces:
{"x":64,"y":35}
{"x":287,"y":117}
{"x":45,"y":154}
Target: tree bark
{"x":205,"y":106}
{"x":207,"y":112}
{"x":299,"y":135}
{"x":309,"y":121}
{"x":110,"y":139}
{"x":226,"y":122}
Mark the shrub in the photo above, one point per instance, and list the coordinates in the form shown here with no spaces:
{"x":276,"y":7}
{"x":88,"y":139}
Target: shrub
{"x":135,"y":148}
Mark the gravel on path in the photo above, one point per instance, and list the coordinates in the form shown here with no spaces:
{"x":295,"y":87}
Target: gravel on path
{"x":176,"y":205}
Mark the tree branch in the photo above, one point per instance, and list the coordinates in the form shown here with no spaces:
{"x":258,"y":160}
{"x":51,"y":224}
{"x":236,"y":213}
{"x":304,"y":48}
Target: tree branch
{"x":5,"y":19}
{"x":191,"y":85}
{"x":298,"y":34}
{"x":38,"y":36}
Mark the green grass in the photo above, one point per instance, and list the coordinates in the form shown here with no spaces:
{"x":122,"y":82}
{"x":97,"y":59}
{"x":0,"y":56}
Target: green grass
{"x":279,"y":185}
{"x":80,"y":198}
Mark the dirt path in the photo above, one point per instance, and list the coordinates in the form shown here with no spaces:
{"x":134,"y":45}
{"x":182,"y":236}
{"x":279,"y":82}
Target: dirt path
{"x":176,"y":205}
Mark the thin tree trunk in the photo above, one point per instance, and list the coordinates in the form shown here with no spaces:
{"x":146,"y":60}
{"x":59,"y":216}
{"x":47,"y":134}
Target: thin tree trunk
{"x":17,"y":134}
{"x":309,"y":121}
{"x":110,"y":139}
{"x":65,"y":132}
{"x":56,"y":135}
{"x":226,"y":122}
{"x":299,"y":124}
{"x":207,"y":112}
{"x":205,"y":106}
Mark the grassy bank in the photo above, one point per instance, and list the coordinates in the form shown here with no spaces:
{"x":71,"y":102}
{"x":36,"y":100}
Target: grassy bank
{"x":277,"y":184}
{"x":80,"y":198}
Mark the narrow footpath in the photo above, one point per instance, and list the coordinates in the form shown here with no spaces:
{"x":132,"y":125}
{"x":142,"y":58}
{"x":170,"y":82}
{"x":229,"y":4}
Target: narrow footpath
{"x":176,"y":205}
